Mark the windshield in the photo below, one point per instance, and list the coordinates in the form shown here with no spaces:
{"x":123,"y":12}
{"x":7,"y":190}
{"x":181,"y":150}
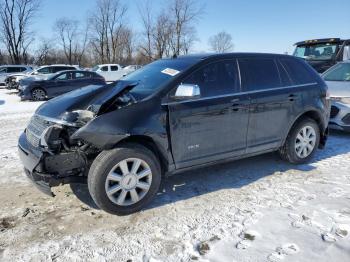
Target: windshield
{"x":155,"y":75}
{"x":340,"y":72}
{"x":325,"y":51}
{"x":95,"y":68}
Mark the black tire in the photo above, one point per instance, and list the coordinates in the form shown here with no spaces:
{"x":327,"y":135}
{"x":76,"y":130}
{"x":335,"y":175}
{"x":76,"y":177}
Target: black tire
{"x":288,"y":150}
{"x":104,"y":163}
{"x":38,"y":94}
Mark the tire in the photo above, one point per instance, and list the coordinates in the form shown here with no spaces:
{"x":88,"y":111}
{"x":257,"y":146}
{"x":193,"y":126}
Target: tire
{"x":38,"y":94}
{"x":292,"y":150}
{"x":110,"y":164}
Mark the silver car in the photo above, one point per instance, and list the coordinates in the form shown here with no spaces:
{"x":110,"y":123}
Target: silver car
{"x":7,"y":70}
{"x":338,"y":80}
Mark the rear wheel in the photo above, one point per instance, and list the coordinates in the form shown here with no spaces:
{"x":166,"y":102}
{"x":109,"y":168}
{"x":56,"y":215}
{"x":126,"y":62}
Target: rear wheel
{"x":124,"y":180}
{"x":38,"y":94}
{"x":302,"y":142}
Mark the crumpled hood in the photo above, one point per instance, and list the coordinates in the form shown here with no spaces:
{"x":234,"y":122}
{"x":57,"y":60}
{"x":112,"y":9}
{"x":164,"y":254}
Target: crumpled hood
{"x":81,"y":99}
{"x":339,"y":88}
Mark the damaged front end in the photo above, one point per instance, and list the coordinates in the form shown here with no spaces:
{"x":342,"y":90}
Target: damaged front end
{"x":49,"y":149}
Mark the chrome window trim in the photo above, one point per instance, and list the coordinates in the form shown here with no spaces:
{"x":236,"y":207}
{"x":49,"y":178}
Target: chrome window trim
{"x":240,"y":93}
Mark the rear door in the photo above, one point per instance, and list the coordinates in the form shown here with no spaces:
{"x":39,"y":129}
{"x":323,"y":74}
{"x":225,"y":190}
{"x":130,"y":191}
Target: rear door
{"x":214,"y":126}
{"x":272,"y":101}
{"x":81,"y":79}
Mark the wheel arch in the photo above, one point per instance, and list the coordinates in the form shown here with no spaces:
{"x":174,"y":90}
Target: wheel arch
{"x":317,"y":117}
{"x":148,"y":143}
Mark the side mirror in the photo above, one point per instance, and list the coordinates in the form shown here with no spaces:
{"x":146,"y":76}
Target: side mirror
{"x":187,"y":91}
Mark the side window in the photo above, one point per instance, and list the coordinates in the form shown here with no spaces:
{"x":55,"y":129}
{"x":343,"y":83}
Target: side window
{"x":104,"y":68}
{"x":13,"y":69}
{"x":259,"y":73}
{"x":218,"y":78}
{"x":114,"y":68}
{"x":62,"y":77}
{"x":297,"y":71}
{"x":3,"y":70}
{"x":44,"y":70}
{"x":57,"y":69}
{"x":80,"y":75}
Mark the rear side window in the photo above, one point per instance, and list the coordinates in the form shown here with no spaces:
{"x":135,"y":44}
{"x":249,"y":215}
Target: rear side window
{"x":80,"y":75}
{"x":114,"y":68}
{"x":219,"y":78}
{"x":259,"y":73}
{"x":297,"y":71}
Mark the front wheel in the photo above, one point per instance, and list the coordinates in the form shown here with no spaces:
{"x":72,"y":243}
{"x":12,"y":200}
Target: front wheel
{"x":302,"y":142}
{"x":38,"y":94}
{"x":124,"y":180}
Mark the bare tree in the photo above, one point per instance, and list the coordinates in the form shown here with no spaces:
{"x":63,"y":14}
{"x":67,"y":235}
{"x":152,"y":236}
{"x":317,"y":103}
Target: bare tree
{"x":16,"y":17}
{"x":162,"y":34}
{"x":107,"y":23}
{"x":221,"y":42}
{"x":44,"y":52}
{"x":185,"y":13}
{"x":148,"y":27}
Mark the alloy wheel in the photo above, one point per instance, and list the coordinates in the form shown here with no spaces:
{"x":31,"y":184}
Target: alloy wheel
{"x":38,"y":94}
{"x":128,"y":181}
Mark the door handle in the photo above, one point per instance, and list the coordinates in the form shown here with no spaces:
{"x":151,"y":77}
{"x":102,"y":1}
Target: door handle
{"x":237,"y":107}
{"x":292,"y":97}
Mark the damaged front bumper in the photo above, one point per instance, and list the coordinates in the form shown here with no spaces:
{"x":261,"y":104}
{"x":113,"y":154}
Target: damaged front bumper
{"x":46,"y":170}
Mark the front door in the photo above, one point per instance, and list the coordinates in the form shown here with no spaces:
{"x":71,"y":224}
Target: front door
{"x":214,"y":126}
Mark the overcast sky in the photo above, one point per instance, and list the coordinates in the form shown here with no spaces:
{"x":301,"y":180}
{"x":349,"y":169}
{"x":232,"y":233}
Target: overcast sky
{"x":255,"y":25}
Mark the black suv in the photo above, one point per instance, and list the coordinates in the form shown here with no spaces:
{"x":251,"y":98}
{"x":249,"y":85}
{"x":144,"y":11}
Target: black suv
{"x":173,"y":115}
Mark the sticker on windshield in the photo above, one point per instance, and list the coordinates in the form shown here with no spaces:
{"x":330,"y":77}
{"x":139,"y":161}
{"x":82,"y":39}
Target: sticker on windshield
{"x":171,"y":72}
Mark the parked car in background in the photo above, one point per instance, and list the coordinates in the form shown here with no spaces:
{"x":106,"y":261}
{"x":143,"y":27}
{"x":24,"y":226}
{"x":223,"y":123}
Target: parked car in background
{"x":58,"y":84}
{"x":7,"y":70}
{"x":110,"y":72}
{"x":322,"y":54}
{"x":338,"y":81}
{"x":174,"y":115}
{"x":41,"y":73}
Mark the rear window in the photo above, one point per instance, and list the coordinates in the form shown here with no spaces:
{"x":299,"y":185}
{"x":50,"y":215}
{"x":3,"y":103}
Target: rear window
{"x":297,"y":71}
{"x":259,"y":73}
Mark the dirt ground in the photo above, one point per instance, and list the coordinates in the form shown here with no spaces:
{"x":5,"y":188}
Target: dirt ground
{"x":257,"y":209}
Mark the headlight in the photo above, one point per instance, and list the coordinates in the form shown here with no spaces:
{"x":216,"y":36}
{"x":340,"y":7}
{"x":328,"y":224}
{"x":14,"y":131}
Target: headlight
{"x":344,"y":100}
{"x":50,"y":138}
{"x":78,"y":117}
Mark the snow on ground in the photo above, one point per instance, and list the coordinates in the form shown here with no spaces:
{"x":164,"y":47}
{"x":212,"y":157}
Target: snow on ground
{"x":257,"y":209}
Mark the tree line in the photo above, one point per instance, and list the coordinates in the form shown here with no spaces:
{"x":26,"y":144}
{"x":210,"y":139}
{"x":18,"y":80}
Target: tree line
{"x":106,"y":36}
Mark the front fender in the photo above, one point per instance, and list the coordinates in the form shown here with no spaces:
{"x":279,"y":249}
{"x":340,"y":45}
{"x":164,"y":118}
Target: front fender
{"x":140,"y":119}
